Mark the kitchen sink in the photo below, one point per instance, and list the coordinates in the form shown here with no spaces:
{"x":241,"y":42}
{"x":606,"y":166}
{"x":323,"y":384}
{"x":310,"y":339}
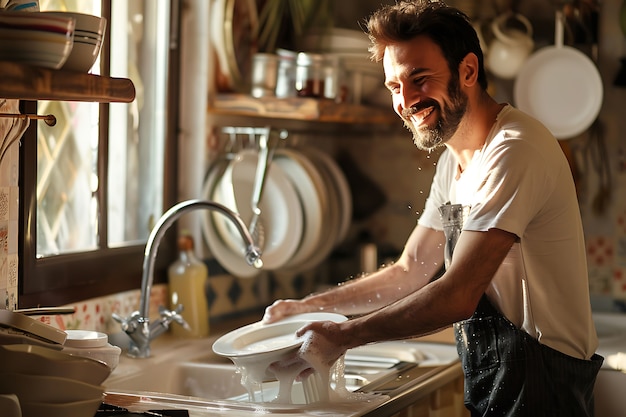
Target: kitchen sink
{"x":190,"y":376}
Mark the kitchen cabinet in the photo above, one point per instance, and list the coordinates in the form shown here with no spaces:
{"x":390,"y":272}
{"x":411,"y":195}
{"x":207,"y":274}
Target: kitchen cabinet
{"x":25,"y":82}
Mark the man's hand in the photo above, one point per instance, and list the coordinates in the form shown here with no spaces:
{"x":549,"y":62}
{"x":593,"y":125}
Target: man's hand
{"x":284,"y":308}
{"x":321,"y":347}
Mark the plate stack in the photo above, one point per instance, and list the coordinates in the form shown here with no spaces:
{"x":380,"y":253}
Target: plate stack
{"x":39,"y":379}
{"x":306,"y":209}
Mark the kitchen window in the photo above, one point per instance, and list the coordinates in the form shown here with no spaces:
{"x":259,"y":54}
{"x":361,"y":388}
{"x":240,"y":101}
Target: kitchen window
{"x":92,"y":186}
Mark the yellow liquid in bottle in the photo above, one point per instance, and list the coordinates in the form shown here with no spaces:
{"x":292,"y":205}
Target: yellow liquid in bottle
{"x":187,"y":286}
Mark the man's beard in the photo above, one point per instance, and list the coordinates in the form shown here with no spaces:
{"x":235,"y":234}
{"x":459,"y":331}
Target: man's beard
{"x":429,"y":138}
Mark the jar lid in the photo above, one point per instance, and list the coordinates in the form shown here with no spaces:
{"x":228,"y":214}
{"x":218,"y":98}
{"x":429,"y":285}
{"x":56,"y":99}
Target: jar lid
{"x":85,"y":339}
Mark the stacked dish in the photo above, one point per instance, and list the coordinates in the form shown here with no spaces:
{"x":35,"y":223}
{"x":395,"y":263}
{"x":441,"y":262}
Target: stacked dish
{"x":94,"y":345}
{"x":306,"y":209}
{"x":36,"y":38}
{"x":51,"y":383}
{"x":88,"y":37}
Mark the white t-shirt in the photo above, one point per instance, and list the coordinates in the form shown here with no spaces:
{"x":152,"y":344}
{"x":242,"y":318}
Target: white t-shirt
{"x":520,"y":182}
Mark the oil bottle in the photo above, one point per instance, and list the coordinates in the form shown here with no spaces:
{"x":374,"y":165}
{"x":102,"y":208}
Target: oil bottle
{"x":187,"y":286}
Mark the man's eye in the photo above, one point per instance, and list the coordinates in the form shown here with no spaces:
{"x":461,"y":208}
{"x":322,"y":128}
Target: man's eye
{"x":419,"y":80}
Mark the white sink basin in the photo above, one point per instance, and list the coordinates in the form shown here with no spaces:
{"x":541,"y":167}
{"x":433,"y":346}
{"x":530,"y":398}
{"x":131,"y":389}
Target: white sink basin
{"x":188,"y":375}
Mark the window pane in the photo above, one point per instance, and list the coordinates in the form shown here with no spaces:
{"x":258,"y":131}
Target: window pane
{"x":67,"y":180}
{"x":67,"y":161}
{"x":137,"y":130}
{"x":67,"y":155}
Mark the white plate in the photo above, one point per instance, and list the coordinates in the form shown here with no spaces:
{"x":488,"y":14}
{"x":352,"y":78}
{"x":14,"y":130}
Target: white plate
{"x":233,"y":262}
{"x":343,"y":190}
{"x":310,"y":187}
{"x":281,"y":211}
{"x":331,"y":222}
{"x":260,"y":340}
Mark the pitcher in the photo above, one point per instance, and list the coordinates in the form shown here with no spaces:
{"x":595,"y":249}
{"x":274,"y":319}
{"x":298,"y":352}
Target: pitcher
{"x":512,"y":43}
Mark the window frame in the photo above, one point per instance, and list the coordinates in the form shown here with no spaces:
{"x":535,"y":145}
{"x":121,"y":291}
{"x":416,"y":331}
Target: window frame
{"x":69,"y":278}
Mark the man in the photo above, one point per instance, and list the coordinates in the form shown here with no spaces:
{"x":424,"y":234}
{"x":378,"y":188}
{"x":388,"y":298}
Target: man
{"x":516,"y":286}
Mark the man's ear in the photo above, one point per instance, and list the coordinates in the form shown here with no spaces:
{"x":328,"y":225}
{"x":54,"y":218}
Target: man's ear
{"x":468,"y":70}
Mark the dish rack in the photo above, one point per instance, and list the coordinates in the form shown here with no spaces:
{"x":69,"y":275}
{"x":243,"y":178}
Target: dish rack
{"x":265,"y":140}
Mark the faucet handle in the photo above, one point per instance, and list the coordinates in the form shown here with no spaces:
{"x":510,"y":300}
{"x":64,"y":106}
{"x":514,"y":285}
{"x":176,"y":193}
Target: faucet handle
{"x":174,"y":315}
{"x":128,"y":324}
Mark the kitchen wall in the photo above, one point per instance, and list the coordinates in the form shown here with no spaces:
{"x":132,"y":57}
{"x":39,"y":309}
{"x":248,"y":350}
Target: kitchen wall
{"x":391,"y":162}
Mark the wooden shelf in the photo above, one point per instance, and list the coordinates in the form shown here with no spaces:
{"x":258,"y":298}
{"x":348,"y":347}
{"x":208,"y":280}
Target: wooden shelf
{"x":34,"y":83}
{"x":304,"y":109}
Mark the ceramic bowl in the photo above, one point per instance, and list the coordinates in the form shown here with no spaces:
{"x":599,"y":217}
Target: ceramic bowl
{"x":88,"y":37}
{"x":48,"y":389}
{"x":84,"y":408}
{"x":92,"y":345}
{"x":36,"y":39}
{"x":38,"y":360}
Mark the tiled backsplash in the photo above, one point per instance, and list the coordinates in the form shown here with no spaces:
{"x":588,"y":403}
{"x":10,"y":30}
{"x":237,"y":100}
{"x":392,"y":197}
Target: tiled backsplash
{"x":227,"y":296}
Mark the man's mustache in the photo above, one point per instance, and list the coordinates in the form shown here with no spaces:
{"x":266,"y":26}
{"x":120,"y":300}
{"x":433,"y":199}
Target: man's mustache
{"x":408,"y":112}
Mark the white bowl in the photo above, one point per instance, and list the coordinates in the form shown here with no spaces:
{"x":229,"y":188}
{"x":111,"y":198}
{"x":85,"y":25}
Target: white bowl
{"x":95,"y":25}
{"x":88,"y":36}
{"x":84,"y":54}
{"x":92,"y":345}
{"x":38,"y":360}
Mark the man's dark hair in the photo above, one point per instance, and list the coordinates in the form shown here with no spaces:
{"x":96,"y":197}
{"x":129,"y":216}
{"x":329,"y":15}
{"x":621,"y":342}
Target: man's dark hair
{"x":448,"y":27}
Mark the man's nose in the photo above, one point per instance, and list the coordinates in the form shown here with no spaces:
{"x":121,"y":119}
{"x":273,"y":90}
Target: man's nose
{"x":405,"y":99}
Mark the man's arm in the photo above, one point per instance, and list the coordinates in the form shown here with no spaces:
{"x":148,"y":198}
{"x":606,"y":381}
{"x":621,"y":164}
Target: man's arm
{"x":421,"y":259}
{"x":451,"y":298}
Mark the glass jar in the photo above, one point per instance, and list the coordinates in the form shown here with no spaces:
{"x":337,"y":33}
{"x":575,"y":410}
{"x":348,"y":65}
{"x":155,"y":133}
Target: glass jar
{"x":317,"y":75}
{"x":286,"y":75}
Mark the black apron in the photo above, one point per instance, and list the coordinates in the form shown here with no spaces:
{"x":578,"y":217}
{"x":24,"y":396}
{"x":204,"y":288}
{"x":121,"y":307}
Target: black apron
{"x":509,"y":373}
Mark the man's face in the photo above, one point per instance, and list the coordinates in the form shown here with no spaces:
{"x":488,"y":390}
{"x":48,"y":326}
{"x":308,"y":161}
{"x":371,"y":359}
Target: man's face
{"x":426,"y":97}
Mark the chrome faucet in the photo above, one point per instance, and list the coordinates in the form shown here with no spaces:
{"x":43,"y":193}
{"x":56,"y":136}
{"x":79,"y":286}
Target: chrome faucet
{"x":137,"y":326}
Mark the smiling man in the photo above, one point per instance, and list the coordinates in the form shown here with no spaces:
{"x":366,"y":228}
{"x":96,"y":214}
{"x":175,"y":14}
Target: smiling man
{"x":516,"y":288}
